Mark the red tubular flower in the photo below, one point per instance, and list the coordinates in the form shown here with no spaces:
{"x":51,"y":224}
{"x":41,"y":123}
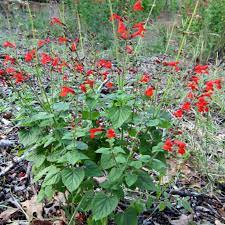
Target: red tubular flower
{"x":10,"y":59}
{"x":129,"y":49}
{"x":218,"y":84}
{"x":65,"y":91}
{"x":89,"y":82}
{"x":83,"y":88}
{"x":2,"y":72}
{"x":105,"y":75}
{"x":104,"y":63}
{"x":172,"y":64}
{"x":55,"y":62}
{"x":19,"y":77}
{"x":145,"y":78}
{"x":140,"y":30}
{"x":178,"y":113}
{"x":30,"y":55}
{"x":200,"y":69}
{"x":190,"y":95}
{"x":202,"y":105}
{"x":90,"y":72}
{"x":41,"y":43}
{"x":122,"y":30}
{"x":93,"y":131}
{"x":45,"y":58}
{"x":62,"y":40}
{"x":115,"y":17}
{"x":10,"y":70}
{"x":109,"y":85}
{"x":138,"y":6}
{"x":168,"y":145}
{"x":186,"y":106}
{"x":181,"y":146}
{"x":111,"y":133}
{"x":192,"y":85}
{"x":56,"y":20}
{"x":73,"y":47}
{"x":79,"y":68}
{"x":149,"y":91}
{"x":8,"y":44}
{"x":209,"y":85}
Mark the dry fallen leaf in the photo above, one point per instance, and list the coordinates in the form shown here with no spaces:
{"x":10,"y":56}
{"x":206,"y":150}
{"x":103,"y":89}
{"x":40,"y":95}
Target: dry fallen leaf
{"x":217,"y":222}
{"x":5,"y":216}
{"x":183,"y":220}
{"x":33,"y":206}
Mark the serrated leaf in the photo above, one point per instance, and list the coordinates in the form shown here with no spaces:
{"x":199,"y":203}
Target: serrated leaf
{"x":74,"y":156}
{"x":119,"y":115}
{"x":103,"y":150}
{"x":130,"y":179}
{"x":72,"y":178}
{"x":29,"y":137}
{"x":61,"y":106}
{"x":91,"y":169}
{"x":145,"y":182}
{"x":129,"y":217}
{"x":102,"y":205}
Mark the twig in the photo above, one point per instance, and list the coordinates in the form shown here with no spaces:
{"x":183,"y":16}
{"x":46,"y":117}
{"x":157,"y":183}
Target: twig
{"x":16,"y":161}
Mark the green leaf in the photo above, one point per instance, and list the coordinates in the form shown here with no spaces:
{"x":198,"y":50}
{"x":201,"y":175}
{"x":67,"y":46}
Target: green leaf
{"x":119,"y":115}
{"x":87,"y":115}
{"x":107,"y":161}
{"x":117,"y":150}
{"x":41,"y":116}
{"x":130,"y":179}
{"x":136,"y":164}
{"x":72,"y":178}
{"x":145,"y":158}
{"x":116,"y":173}
{"x":74,"y":156}
{"x":144,"y":182}
{"x":102,"y":205}
{"x":153,"y":123}
{"x":81,"y":145}
{"x":103,"y":150}
{"x":91,"y":169}
{"x":42,"y":172}
{"x":121,"y":159}
{"x":129,"y":217}
{"x":29,"y":137}
{"x":61,"y":106}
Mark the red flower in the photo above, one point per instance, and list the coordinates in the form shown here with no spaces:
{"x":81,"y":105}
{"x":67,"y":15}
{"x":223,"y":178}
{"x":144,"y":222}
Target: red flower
{"x":168,"y":145}
{"x":83,"y":88}
{"x":178,"y":113}
{"x":90,"y":72}
{"x":200,"y":69}
{"x":122,"y":30}
{"x":129,"y":49}
{"x":30,"y":55}
{"x":190,"y":95}
{"x":145,"y":78}
{"x":56,"y":20}
{"x":115,"y":17}
{"x":105,"y":63}
{"x":192,"y":85}
{"x":149,"y":91}
{"x":8,"y":44}
{"x":10,"y":70}
{"x":202,"y":105}
{"x":93,"y":131}
{"x":172,"y":64}
{"x":181,"y":146}
{"x":111,"y":133}
{"x":2,"y":72}
{"x":218,"y":84}
{"x":79,"y":68}
{"x":138,"y":6}
{"x":195,"y":79}
{"x":186,"y":106}
{"x":41,"y":43}
{"x":62,"y":40}
{"x":105,"y":74}
{"x":140,"y":30}
{"x":10,"y":59}
{"x":65,"y":91}
{"x":45,"y":58}
{"x":109,"y":85}
{"x":73,"y":47}
{"x":55,"y":62}
{"x":89,"y":82}
{"x":209,"y":85}
{"x":19,"y":77}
